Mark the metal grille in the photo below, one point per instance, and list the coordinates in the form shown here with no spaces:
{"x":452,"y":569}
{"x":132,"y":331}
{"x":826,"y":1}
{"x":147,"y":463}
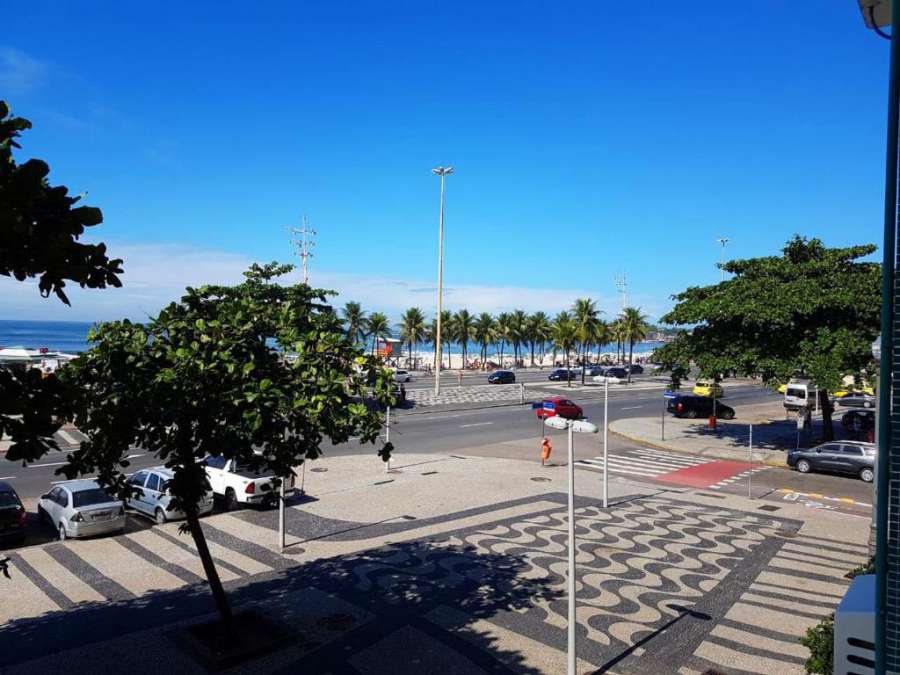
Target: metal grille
{"x":892,"y":600}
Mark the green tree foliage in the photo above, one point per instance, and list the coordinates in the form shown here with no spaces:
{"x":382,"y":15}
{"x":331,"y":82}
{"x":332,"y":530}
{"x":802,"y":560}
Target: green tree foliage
{"x":820,"y":641}
{"x":202,"y":378}
{"x":634,"y":329}
{"x":518,"y":326}
{"x":485,"y":333}
{"x":412,"y":328}
{"x":812,"y":310}
{"x":378,"y":327}
{"x":463,"y":331}
{"x":587,"y":320}
{"x":565,"y":337}
{"x":40,"y":225}
{"x":355,"y":320}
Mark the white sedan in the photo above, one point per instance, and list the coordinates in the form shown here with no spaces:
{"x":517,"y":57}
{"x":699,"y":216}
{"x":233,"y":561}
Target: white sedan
{"x":613,"y":376}
{"x":81,"y":508}
{"x":402,"y":376}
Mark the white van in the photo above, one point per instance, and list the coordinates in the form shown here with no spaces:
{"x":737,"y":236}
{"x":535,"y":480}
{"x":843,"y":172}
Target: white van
{"x":799,"y":394}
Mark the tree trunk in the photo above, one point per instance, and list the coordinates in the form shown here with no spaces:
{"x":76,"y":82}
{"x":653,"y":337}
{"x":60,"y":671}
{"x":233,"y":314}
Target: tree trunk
{"x":532,"y":353}
{"x":568,"y":374}
{"x":502,"y":345}
{"x":212,"y":576}
{"x":630,"y":358}
{"x":827,"y":423}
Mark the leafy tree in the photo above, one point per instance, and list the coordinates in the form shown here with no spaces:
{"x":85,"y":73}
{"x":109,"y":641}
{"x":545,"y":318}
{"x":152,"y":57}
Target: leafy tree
{"x":40,"y":225}
{"x":517,"y":332}
{"x":355,"y":318}
{"x":540,"y":328}
{"x":412,"y":328}
{"x":501,"y":334}
{"x":634,"y":329}
{"x":463,"y":331}
{"x":485,"y":330}
{"x":812,"y":311}
{"x":378,"y":327}
{"x":202,"y":379}
{"x":565,"y":335}
{"x":587,"y":319}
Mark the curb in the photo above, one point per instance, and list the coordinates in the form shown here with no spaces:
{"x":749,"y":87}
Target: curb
{"x":661,"y":445}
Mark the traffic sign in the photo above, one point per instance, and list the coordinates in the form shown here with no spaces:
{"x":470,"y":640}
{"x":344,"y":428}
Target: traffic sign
{"x":549,"y":405}
{"x":669,"y":394}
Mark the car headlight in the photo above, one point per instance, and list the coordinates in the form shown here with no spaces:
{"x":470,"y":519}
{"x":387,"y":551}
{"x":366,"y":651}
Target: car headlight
{"x":77,"y":518}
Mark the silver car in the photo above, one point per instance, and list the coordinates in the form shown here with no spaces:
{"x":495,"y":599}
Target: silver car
{"x":154,"y":498}
{"x":81,"y":508}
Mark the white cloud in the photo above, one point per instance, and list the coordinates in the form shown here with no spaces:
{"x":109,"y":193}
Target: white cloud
{"x":19,"y":72}
{"x":156,"y":274}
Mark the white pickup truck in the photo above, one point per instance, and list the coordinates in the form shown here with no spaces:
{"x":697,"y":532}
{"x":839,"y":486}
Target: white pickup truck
{"x":240,"y":485}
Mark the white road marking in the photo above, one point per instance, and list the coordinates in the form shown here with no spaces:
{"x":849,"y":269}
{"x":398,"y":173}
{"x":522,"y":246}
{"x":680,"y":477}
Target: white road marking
{"x":477,"y":424}
{"x":6,"y":477}
{"x":69,"y":438}
{"x":34,"y":466}
{"x":634,"y":407}
{"x":66,"y":480}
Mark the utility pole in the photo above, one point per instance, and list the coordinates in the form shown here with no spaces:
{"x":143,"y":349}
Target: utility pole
{"x":724,"y":241}
{"x":622,"y":287}
{"x":301,"y":241}
{"x":442,"y":172}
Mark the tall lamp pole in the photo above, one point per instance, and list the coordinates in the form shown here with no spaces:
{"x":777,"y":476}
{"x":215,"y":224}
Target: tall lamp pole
{"x":442,"y":172}
{"x":724,"y":241}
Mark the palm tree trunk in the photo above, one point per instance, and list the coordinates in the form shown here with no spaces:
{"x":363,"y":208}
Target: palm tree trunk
{"x":630,"y":358}
{"x":568,"y":379}
{"x":532,"y":353}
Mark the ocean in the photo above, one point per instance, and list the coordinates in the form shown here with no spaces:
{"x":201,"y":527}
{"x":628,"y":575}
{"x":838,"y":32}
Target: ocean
{"x":71,"y":337}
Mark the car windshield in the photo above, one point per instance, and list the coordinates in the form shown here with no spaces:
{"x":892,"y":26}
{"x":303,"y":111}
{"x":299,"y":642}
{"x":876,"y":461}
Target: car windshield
{"x":798,"y":393}
{"x":8,"y":499}
{"x":90,"y":497}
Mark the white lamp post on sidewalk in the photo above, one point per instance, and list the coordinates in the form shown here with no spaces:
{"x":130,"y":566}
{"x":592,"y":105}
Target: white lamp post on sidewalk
{"x":573,"y":427}
{"x":442,"y":171}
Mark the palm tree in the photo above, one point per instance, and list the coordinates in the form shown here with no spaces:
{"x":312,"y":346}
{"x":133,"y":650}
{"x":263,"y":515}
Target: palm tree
{"x":355,"y":318}
{"x":378,"y":327}
{"x":634,"y":329}
{"x":464,"y":330}
{"x":448,"y":331}
{"x":501,"y":333}
{"x":586,"y":317}
{"x":565,"y":335}
{"x":616,"y":332}
{"x":483,"y":332}
{"x":517,"y":332}
{"x":412,"y":329}
{"x":542,"y":330}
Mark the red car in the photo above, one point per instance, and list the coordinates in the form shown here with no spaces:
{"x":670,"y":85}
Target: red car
{"x":558,"y":405}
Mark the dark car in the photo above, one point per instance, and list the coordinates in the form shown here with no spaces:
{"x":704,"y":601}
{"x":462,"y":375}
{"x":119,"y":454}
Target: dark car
{"x":856,"y":400}
{"x":561,"y":374}
{"x":12,"y":515}
{"x":502,"y":377}
{"x":698,"y":406}
{"x":849,"y":457}
{"x":593,"y":371}
{"x":559,"y":405}
{"x":859,"y":421}
{"x":637,"y":369}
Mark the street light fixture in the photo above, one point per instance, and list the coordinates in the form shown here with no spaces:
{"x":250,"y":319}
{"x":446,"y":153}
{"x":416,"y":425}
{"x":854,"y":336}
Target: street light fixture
{"x":441,"y":171}
{"x":573,"y":427}
{"x":724,"y":241}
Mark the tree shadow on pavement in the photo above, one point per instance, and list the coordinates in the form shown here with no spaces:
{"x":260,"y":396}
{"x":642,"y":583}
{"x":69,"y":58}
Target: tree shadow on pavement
{"x":424,"y":596}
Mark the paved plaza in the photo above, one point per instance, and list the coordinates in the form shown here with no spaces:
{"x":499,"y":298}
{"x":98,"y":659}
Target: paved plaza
{"x":450,"y":564}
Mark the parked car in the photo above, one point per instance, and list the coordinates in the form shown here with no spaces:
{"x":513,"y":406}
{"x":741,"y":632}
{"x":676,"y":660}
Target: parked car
{"x":637,"y":369}
{"x":859,"y":420}
{"x":238,"y":484}
{"x":593,"y":371}
{"x":559,"y":405}
{"x":698,"y":406}
{"x":848,"y":457}
{"x":708,"y":388}
{"x":154,"y":498}
{"x":81,"y":508}
{"x":799,"y":393}
{"x":12,"y":515}
{"x":502,"y":377}
{"x":613,"y":375}
{"x":402,"y":376}
{"x":840,"y":393}
{"x":561,"y":374}
{"x":856,"y":399}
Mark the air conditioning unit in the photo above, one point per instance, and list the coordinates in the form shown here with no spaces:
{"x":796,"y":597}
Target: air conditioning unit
{"x":854,"y":629}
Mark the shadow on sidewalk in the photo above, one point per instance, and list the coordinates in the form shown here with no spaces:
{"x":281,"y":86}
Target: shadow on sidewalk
{"x":421,"y":596}
{"x":775,"y":435}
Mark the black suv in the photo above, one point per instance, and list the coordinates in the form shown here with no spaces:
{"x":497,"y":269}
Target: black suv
{"x":502,"y":377}
{"x":698,"y":406}
{"x":562,"y":374}
{"x":12,"y":515}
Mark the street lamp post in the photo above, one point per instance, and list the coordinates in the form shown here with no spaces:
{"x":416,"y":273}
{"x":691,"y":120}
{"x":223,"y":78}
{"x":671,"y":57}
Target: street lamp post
{"x":723,"y":241}
{"x":573,"y":427}
{"x":442,"y":172}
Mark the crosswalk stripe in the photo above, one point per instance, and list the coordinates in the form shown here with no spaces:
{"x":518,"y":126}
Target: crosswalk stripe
{"x":754,"y":640}
{"x":640,"y":461}
{"x":675,"y":459}
{"x":127,"y":569}
{"x":29,"y":601}
{"x":770,"y":619}
{"x":176,"y":555}
{"x":59,"y":577}
{"x":617,"y":469}
{"x":67,"y":437}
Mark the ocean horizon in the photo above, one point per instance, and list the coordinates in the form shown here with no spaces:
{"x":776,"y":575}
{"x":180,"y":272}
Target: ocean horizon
{"x":71,"y":337}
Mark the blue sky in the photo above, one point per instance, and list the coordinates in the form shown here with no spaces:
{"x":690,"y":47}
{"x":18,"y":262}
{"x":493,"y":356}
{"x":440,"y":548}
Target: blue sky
{"x":588,"y":139}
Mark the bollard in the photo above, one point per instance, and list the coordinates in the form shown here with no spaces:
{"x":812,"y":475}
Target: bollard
{"x":522,"y":392}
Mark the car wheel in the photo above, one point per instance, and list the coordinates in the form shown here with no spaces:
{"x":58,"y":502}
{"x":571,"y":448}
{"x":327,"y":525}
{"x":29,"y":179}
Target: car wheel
{"x":691,"y":414}
{"x":867,"y":404}
{"x":803,"y":466}
{"x":727,"y":415}
{"x":160,"y":517}
{"x":231,"y":502}
{"x":867,"y":475}
{"x":62,"y":532}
